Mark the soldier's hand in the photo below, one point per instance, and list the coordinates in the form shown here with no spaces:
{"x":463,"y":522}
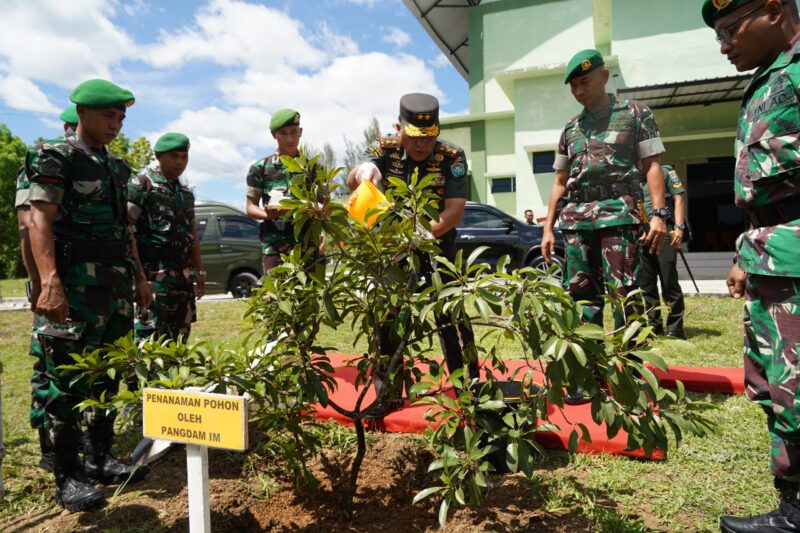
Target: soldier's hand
{"x":677,"y":238}
{"x":52,"y":302}
{"x":36,"y":291}
{"x":200,"y":290}
{"x":548,"y":245}
{"x":655,"y":236}
{"x":736,"y":280}
{"x":368,"y":172}
{"x":144,"y":294}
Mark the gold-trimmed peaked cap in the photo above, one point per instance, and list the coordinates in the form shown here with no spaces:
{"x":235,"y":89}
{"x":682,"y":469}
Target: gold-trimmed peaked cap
{"x":714,"y":9}
{"x":583,"y":63}
{"x":419,"y":115}
{"x":101,"y":94}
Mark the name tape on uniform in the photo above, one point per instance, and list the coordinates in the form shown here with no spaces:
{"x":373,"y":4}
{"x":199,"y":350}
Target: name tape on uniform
{"x":203,"y":418}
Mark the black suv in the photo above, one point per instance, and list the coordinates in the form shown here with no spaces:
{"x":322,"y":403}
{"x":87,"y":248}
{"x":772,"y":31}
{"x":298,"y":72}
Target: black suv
{"x":486,"y":225}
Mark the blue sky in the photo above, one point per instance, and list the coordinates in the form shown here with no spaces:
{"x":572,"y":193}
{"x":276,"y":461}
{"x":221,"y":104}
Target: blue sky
{"x":217,"y":69}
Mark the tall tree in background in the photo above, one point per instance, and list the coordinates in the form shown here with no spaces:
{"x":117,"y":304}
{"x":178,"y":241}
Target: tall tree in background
{"x":353,"y":151}
{"x":138,"y":153}
{"x":12,"y":153}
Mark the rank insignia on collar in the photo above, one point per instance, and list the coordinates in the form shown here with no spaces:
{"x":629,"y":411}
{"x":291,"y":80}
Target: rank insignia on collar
{"x":439,"y":157}
{"x":394,"y":155}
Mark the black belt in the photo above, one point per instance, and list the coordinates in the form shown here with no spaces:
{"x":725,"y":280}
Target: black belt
{"x":152,"y":254}
{"x":774,"y":214}
{"x":594,"y":193}
{"x":91,"y":251}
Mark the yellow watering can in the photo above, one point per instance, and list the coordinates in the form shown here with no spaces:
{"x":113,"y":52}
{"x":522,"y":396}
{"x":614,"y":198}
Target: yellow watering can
{"x":366,"y":196}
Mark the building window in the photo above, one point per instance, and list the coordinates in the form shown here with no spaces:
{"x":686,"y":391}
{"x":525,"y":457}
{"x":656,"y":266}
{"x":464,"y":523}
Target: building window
{"x":504,"y":185}
{"x":543,"y":162}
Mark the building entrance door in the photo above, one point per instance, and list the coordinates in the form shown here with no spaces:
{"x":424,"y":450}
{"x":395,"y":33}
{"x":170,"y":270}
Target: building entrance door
{"x":715,"y":219}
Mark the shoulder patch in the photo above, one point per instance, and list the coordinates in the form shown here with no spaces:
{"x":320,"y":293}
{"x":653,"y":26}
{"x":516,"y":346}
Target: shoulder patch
{"x":447,"y":149}
{"x":676,"y":181}
{"x":388,"y":142}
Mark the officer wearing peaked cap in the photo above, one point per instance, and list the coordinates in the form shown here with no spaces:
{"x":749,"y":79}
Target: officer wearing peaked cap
{"x":765,"y":35}
{"x":416,"y":147}
{"x":80,"y":238}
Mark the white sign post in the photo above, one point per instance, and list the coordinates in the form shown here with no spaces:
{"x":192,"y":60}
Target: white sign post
{"x":197,"y":480}
{"x":200,"y":420}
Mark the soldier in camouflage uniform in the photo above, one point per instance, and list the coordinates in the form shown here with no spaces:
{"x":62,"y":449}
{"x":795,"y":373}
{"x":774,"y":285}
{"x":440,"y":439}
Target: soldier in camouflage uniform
{"x":161,"y":211}
{"x":268,"y":182}
{"x":765,"y":34}
{"x":663,"y":267}
{"x":22,"y":207}
{"x":80,"y":238}
{"x":416,"y":147}
{"x":596,"y":167}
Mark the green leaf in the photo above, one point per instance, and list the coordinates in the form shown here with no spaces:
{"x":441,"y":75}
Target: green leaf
{"x":573,"y":441}
{"x":475,"y":254}
{"x":483,"y":309}
{"x":421,"y":495}
{"x":443,"y":510}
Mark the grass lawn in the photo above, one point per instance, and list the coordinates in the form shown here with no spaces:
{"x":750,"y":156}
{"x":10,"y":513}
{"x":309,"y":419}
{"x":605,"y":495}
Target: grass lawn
{"x":700,"y":481}
{"x":12,"y":288}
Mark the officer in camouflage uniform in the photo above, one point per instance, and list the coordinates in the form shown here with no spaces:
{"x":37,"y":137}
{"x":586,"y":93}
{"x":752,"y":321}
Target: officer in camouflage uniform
{"x":161,"y":211}
{"x":268,"y":182}
{"x":416,"y":147}
{"x":596,"y":167}
{"x":765,"y":34}
{"x":79,"y":236}
{"x":663,"y":266}
{"x":22,"y":206}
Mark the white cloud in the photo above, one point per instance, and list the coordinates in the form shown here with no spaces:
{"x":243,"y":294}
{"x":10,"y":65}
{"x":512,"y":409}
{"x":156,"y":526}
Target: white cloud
{"x":334,"y":43}
{"x":134,"y":8}
{"x":340,"y":98}
{"x":396,"y":37}
{"x":440,"y":61}
{"x":368,"y":3}
{"x":57,"y":42}
{"x":235,"y":33}
{"x":21,"y":93}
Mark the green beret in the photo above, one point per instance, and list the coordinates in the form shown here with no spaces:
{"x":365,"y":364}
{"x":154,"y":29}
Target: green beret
{"x":172,"y":142}
{"x":582,"y":63}
{"x":101,"y":94}
{"x":714,"y":9}
{"x":284,"y":117}
{"x":69,"y":115}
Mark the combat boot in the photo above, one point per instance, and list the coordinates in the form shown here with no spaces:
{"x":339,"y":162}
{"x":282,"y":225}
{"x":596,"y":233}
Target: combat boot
{"x":784,"y":519}
{"x":48,"y":459}
{"x":73,"y":492}
{"x":100,"y":466}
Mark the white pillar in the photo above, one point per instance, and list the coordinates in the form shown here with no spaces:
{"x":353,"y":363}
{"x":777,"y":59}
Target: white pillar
{"x":197,"y":483}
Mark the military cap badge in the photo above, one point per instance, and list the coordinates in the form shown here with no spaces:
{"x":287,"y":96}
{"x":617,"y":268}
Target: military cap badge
{"x":721,"y":4}
{"x":586,"y":65}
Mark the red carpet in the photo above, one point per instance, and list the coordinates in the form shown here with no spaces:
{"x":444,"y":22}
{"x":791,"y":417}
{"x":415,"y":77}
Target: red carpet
{"x":411,"y":419}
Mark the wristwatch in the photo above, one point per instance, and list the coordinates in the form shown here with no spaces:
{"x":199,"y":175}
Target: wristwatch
{"x":662,"y":212}
{"x":681,"y":227}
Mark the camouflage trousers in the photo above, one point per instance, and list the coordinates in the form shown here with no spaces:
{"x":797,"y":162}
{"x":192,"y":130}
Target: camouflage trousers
{"x":173,"y":309}
{"x":771,"y":342}
{"x":97,"y":316}
{"x":600,"y":260}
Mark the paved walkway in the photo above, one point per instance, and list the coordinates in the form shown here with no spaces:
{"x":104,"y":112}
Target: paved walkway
{"x":706,"y":286}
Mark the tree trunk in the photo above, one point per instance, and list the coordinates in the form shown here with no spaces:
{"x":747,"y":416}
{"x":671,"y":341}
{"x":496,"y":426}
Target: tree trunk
{"x":356,"y":468}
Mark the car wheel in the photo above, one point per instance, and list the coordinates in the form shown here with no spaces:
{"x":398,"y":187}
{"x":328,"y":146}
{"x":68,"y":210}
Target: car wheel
{"x":538,"y":263}
{"x":242,"y":284}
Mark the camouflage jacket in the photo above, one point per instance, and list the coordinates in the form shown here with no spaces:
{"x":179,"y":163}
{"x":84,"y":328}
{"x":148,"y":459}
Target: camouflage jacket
{"x":166,"y":216}
{"x":447,"y":162}
{"x":768,"y":164}
{"x":89,"y":187}
{"x":600,"y":149}
{"x":23,"y":190}
{"x":672,"y":187}
{"x":266,"y":177}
